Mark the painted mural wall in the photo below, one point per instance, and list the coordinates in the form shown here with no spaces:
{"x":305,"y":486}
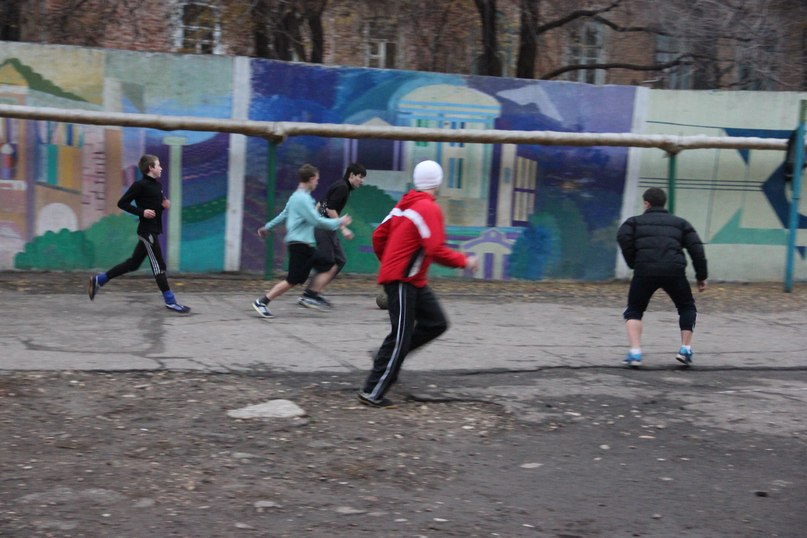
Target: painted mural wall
{"x":738,"y":200}
{"x":529,"y":212}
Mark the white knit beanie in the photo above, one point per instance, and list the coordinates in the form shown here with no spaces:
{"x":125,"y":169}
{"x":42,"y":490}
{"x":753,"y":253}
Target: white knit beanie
{"x":427,"y":175}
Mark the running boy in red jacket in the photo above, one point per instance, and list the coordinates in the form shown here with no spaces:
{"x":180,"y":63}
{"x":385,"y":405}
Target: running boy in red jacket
{"x":408,"y":240}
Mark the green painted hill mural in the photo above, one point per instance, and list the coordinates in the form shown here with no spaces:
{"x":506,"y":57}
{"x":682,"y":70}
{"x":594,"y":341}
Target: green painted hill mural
{"x":108,"y":242}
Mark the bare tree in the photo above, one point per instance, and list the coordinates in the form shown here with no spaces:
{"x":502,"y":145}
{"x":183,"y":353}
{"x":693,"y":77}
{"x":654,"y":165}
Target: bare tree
{"x":700,"y":44}
{"x":439,"y":31}
{"x":707,"y":44}
{"x":10,"y":20}
{"x":312,"y":15}
{"x":286,"y":29}
{"x":489,"y":62}
{"x":763,"y":36}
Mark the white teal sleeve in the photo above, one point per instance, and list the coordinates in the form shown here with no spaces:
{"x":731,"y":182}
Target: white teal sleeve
{"x":281,"y":217}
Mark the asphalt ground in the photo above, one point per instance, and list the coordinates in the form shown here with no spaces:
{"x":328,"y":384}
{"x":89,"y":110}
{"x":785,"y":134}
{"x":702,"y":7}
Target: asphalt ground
{"x":520,"y":421}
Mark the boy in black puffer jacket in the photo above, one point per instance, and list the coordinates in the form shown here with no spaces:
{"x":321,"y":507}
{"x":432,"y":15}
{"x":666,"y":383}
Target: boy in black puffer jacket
{"x":653,"y":245}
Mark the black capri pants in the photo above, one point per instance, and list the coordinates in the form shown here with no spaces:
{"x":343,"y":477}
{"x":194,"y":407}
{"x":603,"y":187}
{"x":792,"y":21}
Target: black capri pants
{"x":642,"y":289}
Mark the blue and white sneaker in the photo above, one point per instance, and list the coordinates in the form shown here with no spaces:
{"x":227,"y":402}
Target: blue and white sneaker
{"x":262,"y":309}
{"x":178,"y":308}
{"x":684,"y":356}
{"x":633,"y":360}
{"x":92,"y":287}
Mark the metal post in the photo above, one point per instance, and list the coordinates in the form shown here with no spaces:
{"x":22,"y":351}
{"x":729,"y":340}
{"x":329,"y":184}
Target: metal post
{"x":671,"y":182}
{"x":793,"y":224}
{"x":271,"y":184}
{"x":174,"y":245}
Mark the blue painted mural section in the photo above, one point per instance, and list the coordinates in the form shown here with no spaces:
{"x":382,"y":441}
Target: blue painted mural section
{"x":563,"y":202}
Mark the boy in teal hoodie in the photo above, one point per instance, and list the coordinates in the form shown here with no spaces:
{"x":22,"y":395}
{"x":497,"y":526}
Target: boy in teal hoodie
{"x":301,"y":217}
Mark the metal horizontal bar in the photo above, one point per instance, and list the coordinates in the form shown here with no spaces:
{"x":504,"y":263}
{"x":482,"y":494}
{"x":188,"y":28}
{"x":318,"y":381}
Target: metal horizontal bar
{"x":280,"y":130}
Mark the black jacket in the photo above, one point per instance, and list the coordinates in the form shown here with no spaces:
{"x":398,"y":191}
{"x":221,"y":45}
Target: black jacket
{"x":653,"y":244}
{"x":147,"y":193}
{"x":336,"y":197}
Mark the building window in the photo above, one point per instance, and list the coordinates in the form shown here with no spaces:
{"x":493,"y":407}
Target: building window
{"x":755,"y":71}
{"x":426,"y":124}
{"x":678,"y":77}
{"x":587,"y":49}
{"x":525,"y":189}
{"x":455,"y":125}
{"x":199,"y":29}
{"x":381,"y":45}
{"x":750,"y":79}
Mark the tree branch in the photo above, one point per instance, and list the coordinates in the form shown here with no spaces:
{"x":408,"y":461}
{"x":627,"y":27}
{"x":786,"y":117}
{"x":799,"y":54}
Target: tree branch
{"x":685,"y":59}
{"x":574,"y":15}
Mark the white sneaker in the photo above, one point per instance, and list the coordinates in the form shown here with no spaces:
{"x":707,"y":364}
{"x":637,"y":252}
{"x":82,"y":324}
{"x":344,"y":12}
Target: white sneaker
{"x":262,"y":309}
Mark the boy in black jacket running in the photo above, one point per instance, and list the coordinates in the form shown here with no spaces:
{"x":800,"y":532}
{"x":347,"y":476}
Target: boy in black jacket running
{"x":147,"y":194}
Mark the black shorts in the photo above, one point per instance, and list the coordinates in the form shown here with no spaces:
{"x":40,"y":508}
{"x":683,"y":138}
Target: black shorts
{"x":329,"y":251}
{"x":301,"y":260}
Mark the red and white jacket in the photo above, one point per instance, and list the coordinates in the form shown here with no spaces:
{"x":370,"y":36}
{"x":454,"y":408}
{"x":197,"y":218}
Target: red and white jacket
{"x":410,"y":238}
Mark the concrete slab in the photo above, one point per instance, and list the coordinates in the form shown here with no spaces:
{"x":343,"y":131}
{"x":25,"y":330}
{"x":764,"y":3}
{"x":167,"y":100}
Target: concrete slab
{"x":132,"y":331}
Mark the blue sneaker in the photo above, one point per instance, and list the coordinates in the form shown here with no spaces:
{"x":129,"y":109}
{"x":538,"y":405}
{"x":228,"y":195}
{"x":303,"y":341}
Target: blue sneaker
{"x":262,"y":309}
{"x":178,"y":308}
{"x":633,"y":360}
{"x":684,"y":356}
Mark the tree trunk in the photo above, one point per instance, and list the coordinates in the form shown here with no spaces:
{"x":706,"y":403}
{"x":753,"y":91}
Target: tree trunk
{"x":261,"y":35}
{"x":317,"y":39}
{"x":313,"y":17}
{"x":528,"y":39}
{"x":283,"y":37}
{"x":10,"y":21}
{"x":489,"y":63}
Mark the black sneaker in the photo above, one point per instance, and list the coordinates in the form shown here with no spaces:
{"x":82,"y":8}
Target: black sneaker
{"x":178,"y":308}
{"x":92,"y":287}
{"x":323,"y":301}
{"x":311,"y":302}
{"x":372,"y":402}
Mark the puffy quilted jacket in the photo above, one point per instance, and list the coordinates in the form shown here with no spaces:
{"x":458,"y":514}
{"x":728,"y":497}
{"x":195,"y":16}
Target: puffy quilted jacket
{"x":653,"y":244}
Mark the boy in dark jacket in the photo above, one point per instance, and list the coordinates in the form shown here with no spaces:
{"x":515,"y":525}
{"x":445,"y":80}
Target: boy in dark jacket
{"x":146,"y":200}
{"x":406,"y":242}
{"x":653,"y":245}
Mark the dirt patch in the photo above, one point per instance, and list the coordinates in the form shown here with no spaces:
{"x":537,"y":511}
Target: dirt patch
{"x":155,"y":454}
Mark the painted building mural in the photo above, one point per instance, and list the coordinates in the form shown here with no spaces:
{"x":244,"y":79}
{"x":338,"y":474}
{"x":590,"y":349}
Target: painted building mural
{"x":528,"y":212}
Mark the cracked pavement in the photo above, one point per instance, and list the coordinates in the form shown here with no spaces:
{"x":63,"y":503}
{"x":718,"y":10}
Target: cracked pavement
{"x":519,"y":421}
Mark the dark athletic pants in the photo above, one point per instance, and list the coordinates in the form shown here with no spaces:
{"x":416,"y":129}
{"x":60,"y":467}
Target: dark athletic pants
{"x":416,"y":319}
{"x":642,"y":289}
{"x":329,"y":251}
{"x":147,"y":247}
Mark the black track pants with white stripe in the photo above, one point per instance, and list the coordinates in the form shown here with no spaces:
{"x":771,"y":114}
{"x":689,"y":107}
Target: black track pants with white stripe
{"x":147,"y":247}
{"x":416,"y":319}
